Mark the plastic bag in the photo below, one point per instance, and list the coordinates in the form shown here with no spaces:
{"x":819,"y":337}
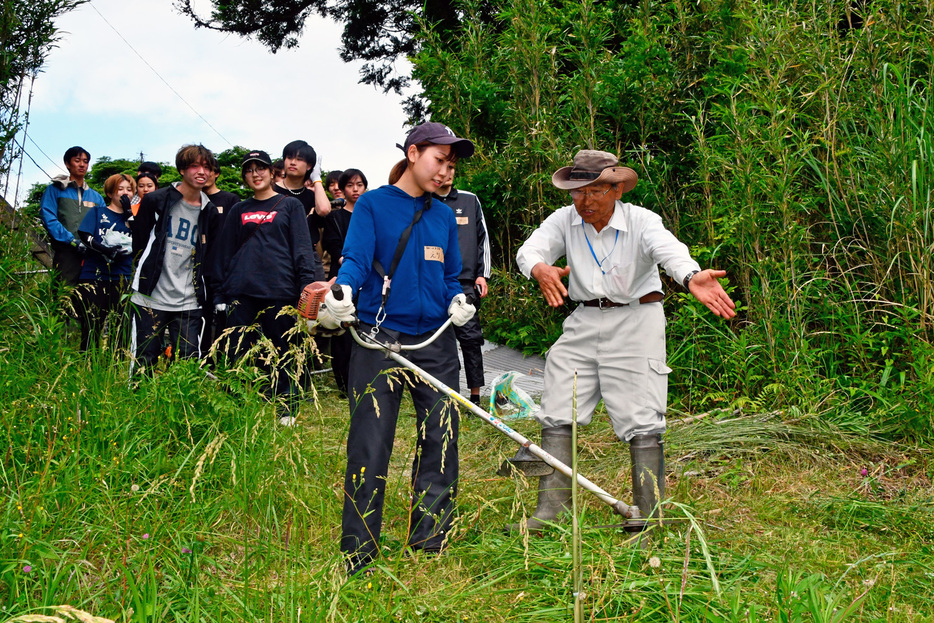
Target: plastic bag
{"x":113,"y":238}
{"x":510,"y":402}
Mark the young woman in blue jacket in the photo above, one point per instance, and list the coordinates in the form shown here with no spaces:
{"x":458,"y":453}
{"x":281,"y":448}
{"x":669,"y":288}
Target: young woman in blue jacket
{"x":423,"y":291}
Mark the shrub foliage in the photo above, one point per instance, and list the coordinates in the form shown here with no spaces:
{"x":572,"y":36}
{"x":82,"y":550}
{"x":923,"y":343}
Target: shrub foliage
{"x":788,"y":143}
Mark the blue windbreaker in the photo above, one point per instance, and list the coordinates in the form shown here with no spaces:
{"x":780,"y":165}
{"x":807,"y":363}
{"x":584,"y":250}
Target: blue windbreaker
{"x":64,"y":205}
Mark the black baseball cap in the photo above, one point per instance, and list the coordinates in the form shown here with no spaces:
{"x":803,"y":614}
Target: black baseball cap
{"x":257,"y":156}
{"x":438,"y":134}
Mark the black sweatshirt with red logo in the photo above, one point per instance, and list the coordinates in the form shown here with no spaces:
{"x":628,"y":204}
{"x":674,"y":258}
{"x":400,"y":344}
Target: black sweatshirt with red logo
{"x":264,"y":251}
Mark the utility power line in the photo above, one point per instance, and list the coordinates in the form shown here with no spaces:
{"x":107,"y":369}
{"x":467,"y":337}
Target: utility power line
{"x":28,"y":155}
{"x":164,"y":81}
{"x":54,"y":164}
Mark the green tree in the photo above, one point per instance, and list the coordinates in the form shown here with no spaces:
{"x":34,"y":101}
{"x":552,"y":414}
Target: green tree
{"x":378,"y":32}
{"x":104,"y":167}
{"x":789,"y":144}
{"x":232,"y":157}
{"x":27,"y":33}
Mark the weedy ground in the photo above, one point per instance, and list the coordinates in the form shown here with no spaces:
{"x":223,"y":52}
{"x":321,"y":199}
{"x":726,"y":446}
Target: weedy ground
{"x":179,"y":498}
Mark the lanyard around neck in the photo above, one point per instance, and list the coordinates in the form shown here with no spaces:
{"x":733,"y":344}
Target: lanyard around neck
{"x":599,"y":262}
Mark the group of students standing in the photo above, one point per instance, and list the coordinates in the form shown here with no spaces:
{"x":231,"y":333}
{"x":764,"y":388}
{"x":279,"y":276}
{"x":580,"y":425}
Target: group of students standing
{"x":194,"y":258}
{"x":95,"y":244}
{"x":201,"y":254}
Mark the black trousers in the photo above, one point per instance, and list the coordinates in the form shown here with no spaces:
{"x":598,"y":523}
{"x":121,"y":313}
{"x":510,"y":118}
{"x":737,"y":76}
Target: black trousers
{"x":149,"y":325}
{"x":95,"y":301}
{"x":214,"y":324}
{"x":376,"y":385}
{"x":246,"y":313}
{"x":341,"y":346}
{"x":67,"y":262}
{"x":470,"y":337}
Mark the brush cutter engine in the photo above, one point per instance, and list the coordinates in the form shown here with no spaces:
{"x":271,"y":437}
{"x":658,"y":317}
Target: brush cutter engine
{"x":309,"y":303}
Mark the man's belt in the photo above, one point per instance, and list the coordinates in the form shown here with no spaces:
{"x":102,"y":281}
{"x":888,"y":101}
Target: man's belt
{"x":605,"y":303}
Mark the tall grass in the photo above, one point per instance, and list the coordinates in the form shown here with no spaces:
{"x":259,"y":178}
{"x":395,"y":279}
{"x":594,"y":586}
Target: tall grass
{"x":182,"y":500}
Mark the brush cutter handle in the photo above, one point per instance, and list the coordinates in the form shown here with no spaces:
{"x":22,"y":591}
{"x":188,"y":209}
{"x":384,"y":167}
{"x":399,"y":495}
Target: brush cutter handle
{"x":339,"y":295}
{"x":395,"y":348}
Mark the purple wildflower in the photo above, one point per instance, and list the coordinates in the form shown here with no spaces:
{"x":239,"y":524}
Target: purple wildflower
{"x":146,"y":536}
{"x":185,"y":550}
{"x":864,"y":472}
{"x":27,"y":569}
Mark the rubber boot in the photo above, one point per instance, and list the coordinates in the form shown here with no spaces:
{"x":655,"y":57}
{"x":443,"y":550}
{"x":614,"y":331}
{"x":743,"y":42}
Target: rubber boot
{"x":648,"y":478}
{"x":554,"y":489}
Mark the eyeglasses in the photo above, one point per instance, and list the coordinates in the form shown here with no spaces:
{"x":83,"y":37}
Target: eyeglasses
{"x":255,"y":170}
{"x":578,"y":195}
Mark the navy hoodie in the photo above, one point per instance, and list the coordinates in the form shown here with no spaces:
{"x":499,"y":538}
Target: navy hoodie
{"x":425,"y":280}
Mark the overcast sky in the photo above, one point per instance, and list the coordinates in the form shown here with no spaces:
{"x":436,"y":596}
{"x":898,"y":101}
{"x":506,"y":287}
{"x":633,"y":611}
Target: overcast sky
{"x":97,"y":93}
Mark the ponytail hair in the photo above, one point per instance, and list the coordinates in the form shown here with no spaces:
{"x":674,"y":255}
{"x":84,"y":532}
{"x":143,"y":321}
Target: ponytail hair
{"x":397,"y":170}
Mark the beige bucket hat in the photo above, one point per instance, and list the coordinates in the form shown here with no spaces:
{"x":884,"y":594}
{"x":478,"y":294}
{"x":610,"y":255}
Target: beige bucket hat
{"x":591,"y":167}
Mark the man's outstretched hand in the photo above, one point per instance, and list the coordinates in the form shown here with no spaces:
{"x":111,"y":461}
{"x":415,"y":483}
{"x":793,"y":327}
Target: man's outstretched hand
{"x":706,"y":288}
{"x":549,"y":280}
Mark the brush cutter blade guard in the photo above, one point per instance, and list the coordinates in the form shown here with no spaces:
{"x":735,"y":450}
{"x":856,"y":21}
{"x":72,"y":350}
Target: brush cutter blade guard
{"x":525,"y":462}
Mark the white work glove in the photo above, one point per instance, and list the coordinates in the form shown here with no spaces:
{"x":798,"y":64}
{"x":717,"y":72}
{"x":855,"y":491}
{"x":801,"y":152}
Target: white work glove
{"x":326,"y":320}
{"x":340,"y":311}
{"x":316,"y":171}
{"x":220,"y":308}
{"x":460,"y":310}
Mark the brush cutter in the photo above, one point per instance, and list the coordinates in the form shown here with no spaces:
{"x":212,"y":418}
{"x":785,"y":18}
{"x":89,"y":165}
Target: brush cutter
{"x":393,"y":352}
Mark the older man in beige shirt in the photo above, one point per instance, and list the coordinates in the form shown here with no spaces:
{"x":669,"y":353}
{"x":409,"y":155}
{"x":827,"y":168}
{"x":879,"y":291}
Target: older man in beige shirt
{"x":615,"y":340}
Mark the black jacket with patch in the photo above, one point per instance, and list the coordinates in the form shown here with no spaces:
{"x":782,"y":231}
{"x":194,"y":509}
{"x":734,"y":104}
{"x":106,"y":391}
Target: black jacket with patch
{"x":471,"y":234}
{"x":150,"y":235}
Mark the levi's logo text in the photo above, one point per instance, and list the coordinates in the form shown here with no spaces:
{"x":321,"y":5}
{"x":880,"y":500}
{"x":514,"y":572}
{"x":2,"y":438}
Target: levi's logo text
{"x":258,"y":217}
{"x":434,"y":254}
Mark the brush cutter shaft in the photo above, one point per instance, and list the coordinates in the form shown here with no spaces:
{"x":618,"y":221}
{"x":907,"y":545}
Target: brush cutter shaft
{"x":630,"y":512}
